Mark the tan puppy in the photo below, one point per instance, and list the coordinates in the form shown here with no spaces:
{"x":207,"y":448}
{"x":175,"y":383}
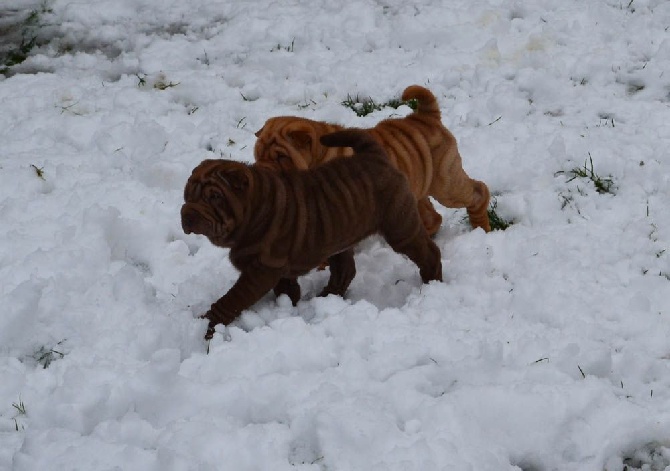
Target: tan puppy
{"x":279,"y":226}
{"x":418,"y":145}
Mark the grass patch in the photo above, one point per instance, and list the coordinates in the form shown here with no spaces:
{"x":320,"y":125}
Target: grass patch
{"x":498,"y":223}
{"x":70,"y":109}
{"x":306,"y":104}
{"x":495,"y":121}
{"x":141,"y":80}
{"x":20,"y":412}
{"x":602,"y":184}
{"x":161,"y":82}
{"x":163,"y":85}
{"x":18,"y":54}
{"x":46,"y":355}
{"x":20,"y":37}
{"x":39,"y":171}
{"x":365,"y":106}
{"x":20,"y":407}
{"x":289,"y":48}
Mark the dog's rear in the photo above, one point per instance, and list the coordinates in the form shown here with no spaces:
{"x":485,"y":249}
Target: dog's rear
{"x":397,"y":218}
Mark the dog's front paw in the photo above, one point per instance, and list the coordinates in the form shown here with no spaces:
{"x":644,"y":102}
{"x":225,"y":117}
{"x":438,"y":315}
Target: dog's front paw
{"x":328,"y":290}
{"x":211,"y":326}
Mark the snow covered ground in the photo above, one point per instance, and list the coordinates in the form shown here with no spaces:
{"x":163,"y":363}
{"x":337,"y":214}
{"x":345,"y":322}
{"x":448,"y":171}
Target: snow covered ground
{"x":546,"y":348}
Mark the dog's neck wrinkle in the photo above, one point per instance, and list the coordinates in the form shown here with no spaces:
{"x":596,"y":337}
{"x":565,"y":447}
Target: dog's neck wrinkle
{"x":258,"y":220}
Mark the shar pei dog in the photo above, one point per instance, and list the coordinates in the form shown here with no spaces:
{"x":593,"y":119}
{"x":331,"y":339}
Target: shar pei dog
{"x":280,"y":225}
{"x":418,"y":145}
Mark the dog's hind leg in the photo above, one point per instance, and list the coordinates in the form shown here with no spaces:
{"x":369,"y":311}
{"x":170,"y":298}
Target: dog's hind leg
{"x":289,"y":287}
{"x":342,"y":271}
{"x":478,"y":211}
{"x":430,"y":218}
{"x":453,"y":188}
{"x":406,"y":235}
{"x":403,"y":230}
{"x":424,"y":253}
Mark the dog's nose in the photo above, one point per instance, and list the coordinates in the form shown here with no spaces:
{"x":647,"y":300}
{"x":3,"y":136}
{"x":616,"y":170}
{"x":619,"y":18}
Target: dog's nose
{"x":187,"y":221}
{"x":186,"y":225}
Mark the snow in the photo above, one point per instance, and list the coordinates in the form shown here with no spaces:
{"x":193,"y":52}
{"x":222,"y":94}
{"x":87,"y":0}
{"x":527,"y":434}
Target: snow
{"x":546,"y":347}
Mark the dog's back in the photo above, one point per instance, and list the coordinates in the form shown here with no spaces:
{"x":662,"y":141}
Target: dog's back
{"x":331,"y":207}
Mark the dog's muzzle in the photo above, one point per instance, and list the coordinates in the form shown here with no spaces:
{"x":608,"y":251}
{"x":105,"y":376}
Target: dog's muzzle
{"x":191,"y":221}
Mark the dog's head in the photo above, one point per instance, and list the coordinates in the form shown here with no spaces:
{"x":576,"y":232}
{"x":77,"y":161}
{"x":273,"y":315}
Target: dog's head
{"x":215,"y":200}
{"x":288,"y":142}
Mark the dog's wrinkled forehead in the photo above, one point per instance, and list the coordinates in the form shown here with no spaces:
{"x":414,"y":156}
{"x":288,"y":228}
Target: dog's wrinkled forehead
{"x":205,"y":169}
{"x":200,"y":177}
{"x":219,"y":173}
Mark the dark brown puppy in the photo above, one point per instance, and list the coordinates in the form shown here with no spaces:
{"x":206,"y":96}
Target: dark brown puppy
{"x":279,"y":226}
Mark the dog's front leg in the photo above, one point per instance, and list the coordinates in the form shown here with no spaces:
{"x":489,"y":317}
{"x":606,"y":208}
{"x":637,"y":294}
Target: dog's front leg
{"x":289,"y":287}
{"x":342,"y":271}
{"x":247,"y":290}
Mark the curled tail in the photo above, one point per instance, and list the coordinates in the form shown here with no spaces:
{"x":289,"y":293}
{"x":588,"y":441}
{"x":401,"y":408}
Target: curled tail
{"x":427,"y":103}
{"x":359,"y":140}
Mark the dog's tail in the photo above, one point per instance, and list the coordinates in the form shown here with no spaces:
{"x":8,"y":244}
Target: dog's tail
{"x":427,"y":103}
{"x":358,"y":139}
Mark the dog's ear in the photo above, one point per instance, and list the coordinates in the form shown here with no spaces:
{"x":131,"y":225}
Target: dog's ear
{"x":259,"y":132}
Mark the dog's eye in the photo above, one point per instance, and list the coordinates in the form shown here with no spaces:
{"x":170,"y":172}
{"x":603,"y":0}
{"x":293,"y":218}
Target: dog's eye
{"x":214,"y":197}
